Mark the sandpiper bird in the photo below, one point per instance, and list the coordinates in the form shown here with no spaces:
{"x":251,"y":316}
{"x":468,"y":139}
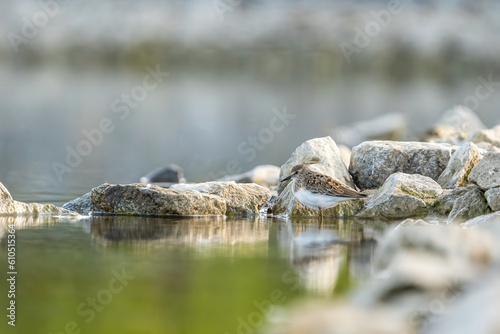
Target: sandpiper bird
{"x":319,"y":191}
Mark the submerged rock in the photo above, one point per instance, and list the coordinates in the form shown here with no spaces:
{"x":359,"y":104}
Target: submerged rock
{"x":264,"y":175}
{"x":142,"y":199}
{"x":4,"y":193}
{"x":459,"y":166}
{"x":323,"y":156}
{"x":170,"y":173}
{"x":373,"y":162}
{"x":241,"y":199}
{"x":402,"y":196}
{"x":486,"y":173}
{"x":80,"y":204}
{"x":462,"y":203}
{"x":493,"y":198}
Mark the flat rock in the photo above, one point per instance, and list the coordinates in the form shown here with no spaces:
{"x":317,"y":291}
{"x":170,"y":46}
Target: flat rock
{"x":4,"y":193}
{"x":462,"y":203}
{"x":169,"y":173}
{"x":374,"y":161}
{"x":323,"y":156}
{"x":142,"y":199}
{"x":491,"y":136}
{"x":11,"y":207}
{"x":402,"y":196}
{"x":263,"y":175}
{"x":80,"y":204}
{"x":493,"y":198}
{"x":459,"y":166}
{"x":241,"y":199}
{"x":486,"y":173}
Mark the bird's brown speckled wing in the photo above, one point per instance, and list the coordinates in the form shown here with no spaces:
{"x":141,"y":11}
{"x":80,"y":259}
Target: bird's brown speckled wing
{"x":324,"y":184}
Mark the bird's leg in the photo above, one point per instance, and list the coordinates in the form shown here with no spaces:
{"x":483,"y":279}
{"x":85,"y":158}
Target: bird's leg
{"x":320,"y":217}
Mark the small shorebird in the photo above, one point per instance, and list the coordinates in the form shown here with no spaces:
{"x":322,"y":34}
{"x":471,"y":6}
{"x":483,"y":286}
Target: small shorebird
{"x":319,"y":191}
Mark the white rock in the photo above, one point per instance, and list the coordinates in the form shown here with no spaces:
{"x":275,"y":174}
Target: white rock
{"x":493,"y":198}
{"x":264,"y":175}
{"x":459,"y":166}
{"x":402,"y":196}
{"x":486,"y":173}
{"x":323,"y":156}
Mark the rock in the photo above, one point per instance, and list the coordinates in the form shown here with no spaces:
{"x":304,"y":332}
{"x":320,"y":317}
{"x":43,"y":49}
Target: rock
{"x":264,"y":175}
{"x":390,"y":126}
{"x":142,"y":199}
{"x":373,"y":162}
{"x":345,"y":154}
{"x":241,"y":199}
{"x":464,"y":316}
{"x":462,"y":118}
{"x":493,"y":198}
{"x":402,"y":196}
{"x":459,"y":166}
{"x":171,"y":173}
{"x":288,"y":205}
{"x":11,"y":207}
{"x":462,"y":203}
{"x":4,"y":193}
{"x":489,"y":223}
{"x":491,"y":136}
{"x":456,"y":125}
{"x":414,"y":222}
{"x":456,"y":248}
{"x":323,"y":156}
{"x":488,"y":147}
{"x":340,"y":318}
{"x":486,"y":173}
{"x":80,"y":204}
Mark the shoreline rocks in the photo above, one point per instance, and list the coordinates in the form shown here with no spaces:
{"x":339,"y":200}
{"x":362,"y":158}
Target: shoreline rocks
{"x":373,"y":162}
{"x":402,"y":196}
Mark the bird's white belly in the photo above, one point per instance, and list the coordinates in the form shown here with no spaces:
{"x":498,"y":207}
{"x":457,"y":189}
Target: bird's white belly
{"x":315,"y":201}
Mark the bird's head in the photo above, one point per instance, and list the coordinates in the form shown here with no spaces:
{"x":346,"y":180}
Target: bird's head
{"x":296,"y":171}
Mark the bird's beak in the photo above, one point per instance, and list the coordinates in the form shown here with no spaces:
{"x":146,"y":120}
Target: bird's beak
{"x":287,"y":178}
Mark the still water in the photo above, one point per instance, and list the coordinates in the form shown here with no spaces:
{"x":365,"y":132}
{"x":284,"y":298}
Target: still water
{"x":178,"y":275}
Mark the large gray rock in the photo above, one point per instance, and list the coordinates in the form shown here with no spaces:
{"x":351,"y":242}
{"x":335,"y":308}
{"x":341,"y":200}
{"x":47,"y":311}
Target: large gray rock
{"x":4,"y":193}
{"x":171,"y":173}
{"x":493,"y":198}
{"x":80,"y":204}
{"x":373,"y":162}
{"x":263,"y":175}
{"x":241,"y":199}
{"x":462,"y":203}
{"x":142,"y":199}
{"x":402,"y":196}
{"x":459,"y":166}
{"x":491,"y":136}
{"x":323,"y":156}
{"x":486,"y":173}
{"x":288,"y":205}
{"x":11,"y":207}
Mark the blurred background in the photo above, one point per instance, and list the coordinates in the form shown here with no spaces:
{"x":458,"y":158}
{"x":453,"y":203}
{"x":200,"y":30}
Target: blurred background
{"x":232,"y":65}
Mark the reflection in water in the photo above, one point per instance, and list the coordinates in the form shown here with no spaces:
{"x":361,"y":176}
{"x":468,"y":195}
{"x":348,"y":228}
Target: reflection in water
{"x":202,"y":233}
{"x":320,"y":253}
{"x":27,"y":221}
